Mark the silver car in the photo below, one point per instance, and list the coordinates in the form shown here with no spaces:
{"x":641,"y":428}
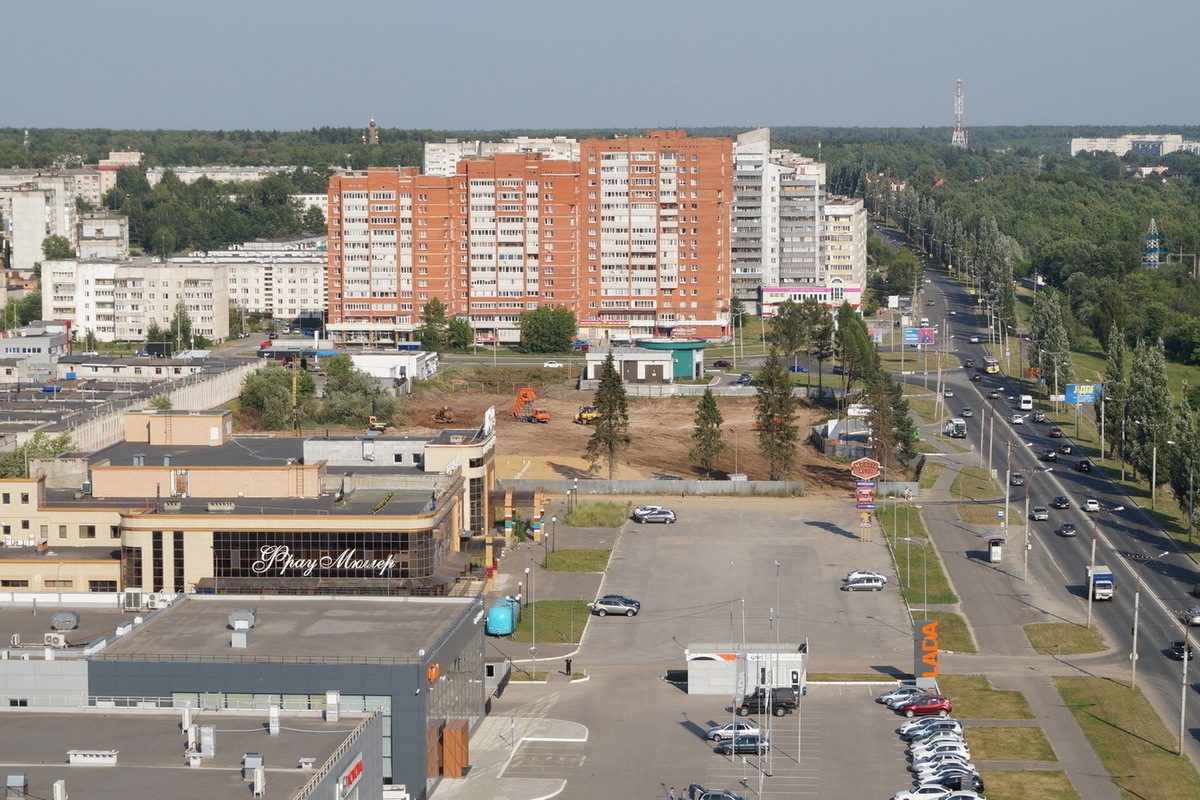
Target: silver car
{"x":731,"y":730}
{"x":1040,"y":513}
{"x":612,"y":605}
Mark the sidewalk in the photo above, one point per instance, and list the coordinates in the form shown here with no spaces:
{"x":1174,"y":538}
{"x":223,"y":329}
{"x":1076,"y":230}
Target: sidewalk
{"x":493,"y":745}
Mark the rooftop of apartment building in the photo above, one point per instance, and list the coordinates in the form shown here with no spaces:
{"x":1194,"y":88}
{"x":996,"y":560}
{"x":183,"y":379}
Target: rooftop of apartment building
{"x":149,"y":752}
{"x":27,"y":625}
{"x":320,"y":629}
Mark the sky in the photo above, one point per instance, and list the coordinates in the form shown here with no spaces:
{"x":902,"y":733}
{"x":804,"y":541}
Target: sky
{"x":536,"y":64}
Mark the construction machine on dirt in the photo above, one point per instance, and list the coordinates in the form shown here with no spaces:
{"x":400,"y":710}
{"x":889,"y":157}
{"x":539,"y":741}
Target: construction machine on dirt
{"x":524,"y":409}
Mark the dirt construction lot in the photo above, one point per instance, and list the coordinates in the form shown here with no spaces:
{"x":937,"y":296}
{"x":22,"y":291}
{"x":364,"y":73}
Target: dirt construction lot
{"x":661,"y":429}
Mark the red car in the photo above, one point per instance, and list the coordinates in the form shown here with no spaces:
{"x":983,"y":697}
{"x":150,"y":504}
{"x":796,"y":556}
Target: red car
{"x":722,"y":363}
{"x":1055,"y":433}
{"x":927,"y":706}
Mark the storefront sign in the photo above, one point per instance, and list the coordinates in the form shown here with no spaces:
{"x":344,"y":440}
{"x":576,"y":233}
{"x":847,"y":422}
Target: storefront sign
{"x":348,"y":781}
{"x":925,"y":649}
{"x":279,"y":559}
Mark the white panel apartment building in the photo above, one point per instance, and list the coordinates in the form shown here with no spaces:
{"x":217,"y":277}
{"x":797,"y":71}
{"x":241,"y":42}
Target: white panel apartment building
{"x":118,"y":299}
{"x":441,"y":158}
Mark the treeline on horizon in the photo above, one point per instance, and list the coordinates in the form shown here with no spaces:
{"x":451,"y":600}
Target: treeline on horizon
{"x":329,"y":146}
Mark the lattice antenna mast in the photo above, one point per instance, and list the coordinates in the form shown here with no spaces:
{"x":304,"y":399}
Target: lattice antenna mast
{"x":959,"y":139}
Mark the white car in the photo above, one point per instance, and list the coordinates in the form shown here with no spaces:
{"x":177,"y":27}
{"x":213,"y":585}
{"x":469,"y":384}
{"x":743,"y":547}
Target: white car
{"x":553,"y":365}
{"x":974,"y":340}
{"x":641,"y":510}
{"x":731,"y":729}
{"x":1018,"y":419}
{"x":925,"y":722}
{"x":947,"y":392}
{"x":1091,"y":505}
{"x":935,"y":764}
{"x":1040,"y":513}
{"x":865,"y":573}
{"x":939,"y":747}
{"x":928,"y":792}
{"x":928,"y":745}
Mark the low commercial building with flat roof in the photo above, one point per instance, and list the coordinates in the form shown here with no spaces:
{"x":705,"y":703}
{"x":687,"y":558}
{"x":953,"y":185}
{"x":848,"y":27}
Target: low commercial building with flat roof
{"x":416,"y":663}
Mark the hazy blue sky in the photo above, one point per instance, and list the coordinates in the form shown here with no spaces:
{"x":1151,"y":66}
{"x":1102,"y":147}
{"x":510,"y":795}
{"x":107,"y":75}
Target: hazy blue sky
{"x":605,"y":63}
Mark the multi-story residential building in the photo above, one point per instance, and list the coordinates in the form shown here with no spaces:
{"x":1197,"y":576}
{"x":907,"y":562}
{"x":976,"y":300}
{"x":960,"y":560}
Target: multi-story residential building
{"x":279,"y":279}
{"x":1150,"y":144}
{"x":32,"y":211}
{"x":119,"y":300}
{"x":631,"y":237}
{"x":441,"y":158}
{"x":214,"y":173}
{"x":102,"y":234}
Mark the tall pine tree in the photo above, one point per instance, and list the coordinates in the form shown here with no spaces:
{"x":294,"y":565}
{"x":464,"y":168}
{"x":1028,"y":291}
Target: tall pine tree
{"x":708,"y":442}
{"x":610,"y":431}
{"x":775,"y":416}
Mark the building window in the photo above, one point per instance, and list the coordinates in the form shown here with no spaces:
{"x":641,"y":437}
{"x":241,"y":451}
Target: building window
{"x":24,"y":524}
{"x":87,"y":531}
{"x":102,"y":586}
{"x":178,"y":547}
{"x":156,"y":575}
{"x":59,"y":584}
{"x":6,"y":498}
{"x":24,"y":497}
{"x":62,"y":531}
{"x":13,"y":584}
{"x":131,"y":566}
{"x":114,"y":531}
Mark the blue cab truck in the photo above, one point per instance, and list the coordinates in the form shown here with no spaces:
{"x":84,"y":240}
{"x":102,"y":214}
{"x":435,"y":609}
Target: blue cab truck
{"x":503,"y":616}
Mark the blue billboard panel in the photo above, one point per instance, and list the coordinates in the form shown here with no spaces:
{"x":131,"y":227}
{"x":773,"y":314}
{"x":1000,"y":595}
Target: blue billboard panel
{"x":1084,"y":392}
{"x":910,"y":335}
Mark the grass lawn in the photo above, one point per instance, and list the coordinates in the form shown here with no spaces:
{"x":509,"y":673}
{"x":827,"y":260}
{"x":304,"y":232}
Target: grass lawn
{"x":924,"y":407}
{"x":974,"y":697}
{"x":974,"y":483}
{"x":1028,"y":784}
{"x":920,"y":570}
{"x":598,"y":515}
{"x":979,"y":514}
{"x":1130,"y":739}
{"x":953,"y":633}
{"x":1008,"y":744}
{"x":558,"y":621}
{"x":931,"y":473}
{"x":1064,"y":638}
{"x":578,"y":560}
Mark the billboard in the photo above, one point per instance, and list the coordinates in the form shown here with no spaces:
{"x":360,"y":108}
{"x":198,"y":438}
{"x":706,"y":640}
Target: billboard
{"x":1084,"y":392}
{"x":926,"y":646}
{"x":911,"y":336}
{"x":927,"y":335}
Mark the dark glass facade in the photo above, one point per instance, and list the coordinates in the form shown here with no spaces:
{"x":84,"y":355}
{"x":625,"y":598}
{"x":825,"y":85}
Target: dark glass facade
{"x":326,"y":554}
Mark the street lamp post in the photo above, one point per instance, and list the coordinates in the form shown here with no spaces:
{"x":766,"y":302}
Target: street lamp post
{"x":533,"y":620}
{"x":1183,"y":686}
{"x":1137,"y":602}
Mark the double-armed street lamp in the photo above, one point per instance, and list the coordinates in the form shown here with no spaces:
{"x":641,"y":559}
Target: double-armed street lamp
{"x":1092,"y":560}
{"x":1137,"y":601}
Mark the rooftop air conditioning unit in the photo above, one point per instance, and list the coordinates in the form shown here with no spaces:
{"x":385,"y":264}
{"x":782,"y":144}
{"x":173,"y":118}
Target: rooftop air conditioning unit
{"x":55,"y":639}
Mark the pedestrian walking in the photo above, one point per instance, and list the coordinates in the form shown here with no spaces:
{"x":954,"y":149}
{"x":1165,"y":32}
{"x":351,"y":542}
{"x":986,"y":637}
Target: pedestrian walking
{"x":692,"y":791}
{"x":671,"y":793}
{"x":568,"y":667}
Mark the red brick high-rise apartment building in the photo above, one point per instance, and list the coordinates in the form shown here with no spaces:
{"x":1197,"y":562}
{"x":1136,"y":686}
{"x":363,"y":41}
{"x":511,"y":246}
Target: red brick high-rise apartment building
{"x":633,"y":238}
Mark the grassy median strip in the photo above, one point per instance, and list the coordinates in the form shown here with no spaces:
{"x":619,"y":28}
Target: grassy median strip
{"x":930,"y":474}
{"x":1028,"y":784}
{"x":953,"y":633}
{"x":974,"y":483}
{"x":577,"y":560}
{"x":1064,"y":638}
{"x":1008,"y":744}
{"x":1130,"y":739}
{"x":920,"y":569}
{"x":598,"y":515}
{"x":974,"y":697}
{"x":558,"y":621}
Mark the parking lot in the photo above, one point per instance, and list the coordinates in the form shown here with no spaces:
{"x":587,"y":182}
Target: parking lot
{"x":647,"y":735}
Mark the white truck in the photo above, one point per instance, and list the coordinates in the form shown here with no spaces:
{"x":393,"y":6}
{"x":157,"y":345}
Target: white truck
{"x":1100,"y":582}
{"x":956,"y":428}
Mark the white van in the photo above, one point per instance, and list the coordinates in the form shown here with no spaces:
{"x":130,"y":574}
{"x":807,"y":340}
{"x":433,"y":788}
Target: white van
{"x":925,"y":322}
{"x":1026,"y":402}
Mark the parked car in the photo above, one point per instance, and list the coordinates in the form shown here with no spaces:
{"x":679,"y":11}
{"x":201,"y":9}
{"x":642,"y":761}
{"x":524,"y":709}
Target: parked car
{"x":1048,"y":455}
{"x":620,"y":598}
{"x":637,"y":512}
{"x":553,"y":365}
{"x":1190,"y":617}
{"x":930,"y":791}
{"x":755,"y":745}
{"x":895,"y":702}
{"x":746,"y":376}
{"x":1091,"y":505}
{"x":1040,"y":513}
{"x":720,"y":362}
{"x":940,"y":725}
{"x":731,"y":730}
{"x":863,"y":585}
{"x":966,"y":412}
{"x":777,"y":701}
{"x":866,"y":573}
{"x":960,"y":781}
{"x":1179,"y":651}
{"x":1083,"y":465}
{"x":1060,"y":502}
{"x":937,"y":764}
{"x":719,"y":795}
{"x":939,"y":747}
{"x":797,"y":368}
{"x":925,"y":723}
{"x":664,"y":515}
{"x":907,"y":692}
{"x":1016,"y":479}
{"x":919,"y":747}
{"x":605,"y":606}
{"x":1054,"y":433}
{"x":1067,"y":529}
{"x":928,"y":706}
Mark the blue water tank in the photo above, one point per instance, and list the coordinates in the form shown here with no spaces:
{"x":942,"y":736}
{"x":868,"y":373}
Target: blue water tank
{"x":503,"y":616}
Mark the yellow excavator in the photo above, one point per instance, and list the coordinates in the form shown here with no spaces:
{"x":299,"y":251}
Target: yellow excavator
{"x":444,"y":415}
{"x":587,"y":415}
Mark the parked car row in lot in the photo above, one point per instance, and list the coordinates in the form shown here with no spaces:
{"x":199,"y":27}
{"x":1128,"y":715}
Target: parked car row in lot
{"x":864,"y":580}
{"x":939,"y":756}
{"x":646,"y":514}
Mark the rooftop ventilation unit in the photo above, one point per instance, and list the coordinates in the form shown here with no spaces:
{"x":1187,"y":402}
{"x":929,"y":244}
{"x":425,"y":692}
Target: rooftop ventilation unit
{"x":64,"y":621}
{"x":243,"y":619}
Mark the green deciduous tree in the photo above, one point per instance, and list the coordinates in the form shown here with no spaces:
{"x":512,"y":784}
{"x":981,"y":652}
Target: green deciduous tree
{"x":860,"y":361}
{"x":775,"y":416}
{"x":432,"y":330}
{"x":1115,"y":395}
{"x":1150,"y":409}
{"x":708,"y":443}
{"x":1184,"y":459}
{"x":610,"y":431}
{"x":314,"y":221}
{"x":459,"y":335}
{"x":548,"y":329}
{"x":181,"y":327}
{"x":56,"y":248}
{"x":161,"y":402}
{"x":15,"y":463}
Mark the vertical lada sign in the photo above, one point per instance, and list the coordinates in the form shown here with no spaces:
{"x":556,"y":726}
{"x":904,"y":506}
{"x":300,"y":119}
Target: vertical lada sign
{"x":925,"y":652}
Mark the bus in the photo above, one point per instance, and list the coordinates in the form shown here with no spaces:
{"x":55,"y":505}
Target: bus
{"x":991,"y":365}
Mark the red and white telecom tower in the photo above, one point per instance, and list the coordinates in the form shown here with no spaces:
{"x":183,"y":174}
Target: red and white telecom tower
{"x":959,"y":139}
